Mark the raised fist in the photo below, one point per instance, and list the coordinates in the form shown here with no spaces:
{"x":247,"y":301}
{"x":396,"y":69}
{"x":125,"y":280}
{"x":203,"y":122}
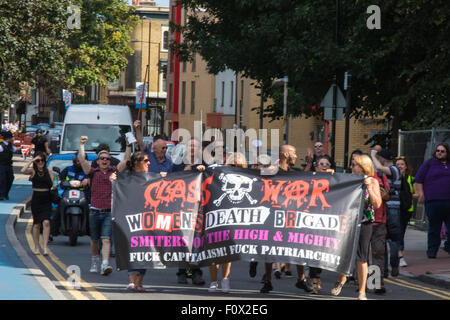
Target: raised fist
{"x":83,"y":140}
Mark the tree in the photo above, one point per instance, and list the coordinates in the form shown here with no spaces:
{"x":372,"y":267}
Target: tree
{"x":39,"y":50}
{"x":32,"y":38}
{"x":399,"y":71}
{"x":97,"y":52}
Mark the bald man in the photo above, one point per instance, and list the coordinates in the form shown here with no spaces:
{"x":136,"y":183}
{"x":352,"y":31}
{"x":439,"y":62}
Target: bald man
{"x":288,"y":157}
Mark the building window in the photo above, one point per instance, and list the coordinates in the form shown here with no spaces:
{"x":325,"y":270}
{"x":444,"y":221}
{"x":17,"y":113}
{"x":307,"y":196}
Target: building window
{"x":231,"y":96}
{"x":164,"y":38}
{"x":194,"y":63}
{"x":164,"y":79}
{"x":170,"y":97}
{"x":192,"y":97}
{"x":184,"y":66}
{"x":222,"y":98}
{"x":183,"y":97}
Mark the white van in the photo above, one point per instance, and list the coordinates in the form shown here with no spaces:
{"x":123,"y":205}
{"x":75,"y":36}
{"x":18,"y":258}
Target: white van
{"x":101,"y":123}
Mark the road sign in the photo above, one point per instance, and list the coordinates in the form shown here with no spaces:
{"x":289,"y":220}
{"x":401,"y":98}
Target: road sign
{"x":327,"y":103}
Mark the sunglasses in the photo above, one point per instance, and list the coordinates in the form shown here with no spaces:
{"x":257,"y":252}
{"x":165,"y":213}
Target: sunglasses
{"x":440,"y":151}
{"x":318,"y":146}
{"x":325,"y":164}
{"x":145,"y":160}
{"x":105,"y":158}
{"x":39,"y":160}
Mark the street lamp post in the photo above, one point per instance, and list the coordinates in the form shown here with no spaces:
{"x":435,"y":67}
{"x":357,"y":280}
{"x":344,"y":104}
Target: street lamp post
{"x":285,"y":81}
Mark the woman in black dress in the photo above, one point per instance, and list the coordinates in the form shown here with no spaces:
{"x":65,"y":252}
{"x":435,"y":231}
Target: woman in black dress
{"x":41,"y":202}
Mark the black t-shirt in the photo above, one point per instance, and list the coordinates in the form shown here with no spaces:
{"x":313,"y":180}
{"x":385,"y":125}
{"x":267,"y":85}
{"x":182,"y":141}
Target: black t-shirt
{"x":39,"y":144}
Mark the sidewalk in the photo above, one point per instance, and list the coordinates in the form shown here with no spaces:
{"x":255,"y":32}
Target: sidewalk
{"x":432,"y":271}
{"x":20,"y":278}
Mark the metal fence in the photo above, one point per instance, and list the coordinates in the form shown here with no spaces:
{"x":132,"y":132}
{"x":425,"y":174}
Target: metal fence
{"x":418,"y":146}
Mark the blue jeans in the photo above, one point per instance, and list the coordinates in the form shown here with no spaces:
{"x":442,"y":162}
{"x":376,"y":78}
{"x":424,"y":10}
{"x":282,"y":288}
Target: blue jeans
{"x":394,"y":236}
{"x":100,"y":225}
{"x":438,"y":211}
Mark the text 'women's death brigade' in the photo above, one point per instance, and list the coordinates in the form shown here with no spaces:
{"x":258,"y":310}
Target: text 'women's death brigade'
{"x":230,"y":213}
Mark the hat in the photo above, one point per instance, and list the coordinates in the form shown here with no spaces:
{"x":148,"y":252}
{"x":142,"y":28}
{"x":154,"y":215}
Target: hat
{"x":7,"y":135}
{"x":386,"y":154}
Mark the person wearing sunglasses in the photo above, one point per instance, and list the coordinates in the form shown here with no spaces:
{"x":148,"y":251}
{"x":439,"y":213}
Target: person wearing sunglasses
{"x":41,"y":202}
{"x":100,"y":224}
{"x":7,"y":150}
{"x":138,"y":162}
{"x":432,"y":186}
{"x":312,"y":156}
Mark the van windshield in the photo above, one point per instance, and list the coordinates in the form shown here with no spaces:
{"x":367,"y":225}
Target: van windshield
{"x":112,"y":135}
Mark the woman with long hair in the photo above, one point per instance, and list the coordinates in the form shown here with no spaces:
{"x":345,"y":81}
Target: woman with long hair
{"x":235,"y":159}
{"x":362,"y":164}
{"x":41,"y":202}
{"x":405,"y":214}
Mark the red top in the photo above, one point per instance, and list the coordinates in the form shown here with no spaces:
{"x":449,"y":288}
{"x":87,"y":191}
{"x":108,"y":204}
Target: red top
{"x":101,"y":188}
{"x":380,"y":213}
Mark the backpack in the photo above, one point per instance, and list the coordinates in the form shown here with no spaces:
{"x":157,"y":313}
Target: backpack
{"x":405,"y":195}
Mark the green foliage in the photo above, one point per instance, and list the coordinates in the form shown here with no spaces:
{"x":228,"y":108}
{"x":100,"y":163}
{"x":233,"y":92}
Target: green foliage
{"x":97,"y":52}
{"x":39,"y":50}
{"x":400,"y":70}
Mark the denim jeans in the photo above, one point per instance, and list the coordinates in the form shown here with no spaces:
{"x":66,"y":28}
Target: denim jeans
{"x":100,"y":225}
{"x":394,"y":236}
{"x":438,"y":211}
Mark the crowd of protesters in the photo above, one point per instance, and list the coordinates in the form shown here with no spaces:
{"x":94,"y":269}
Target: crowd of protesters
{"x":390,"y":189}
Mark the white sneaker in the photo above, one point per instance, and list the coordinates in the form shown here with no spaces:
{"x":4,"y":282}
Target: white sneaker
{"x":213,"y":287}
{"x":105,"y":269}
{"x":95,"y":264}
{"x":403,"y":262}
{"x":225,"y":284}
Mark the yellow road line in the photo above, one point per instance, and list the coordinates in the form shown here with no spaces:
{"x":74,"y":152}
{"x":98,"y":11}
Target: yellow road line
{"x":447,"y":293}
{"x":75,"y":293}
{"x":419,"y":288}
{"x":92,"y":291}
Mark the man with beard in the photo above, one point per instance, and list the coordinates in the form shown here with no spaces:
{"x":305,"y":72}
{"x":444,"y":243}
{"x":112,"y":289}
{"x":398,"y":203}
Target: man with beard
{"x":288,"y":157}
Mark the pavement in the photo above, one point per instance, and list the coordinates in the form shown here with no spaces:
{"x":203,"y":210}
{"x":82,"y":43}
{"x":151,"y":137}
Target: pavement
{"x":21,"y":279}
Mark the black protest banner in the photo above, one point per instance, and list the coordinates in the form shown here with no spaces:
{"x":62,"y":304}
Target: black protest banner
{"x":295,"y":217}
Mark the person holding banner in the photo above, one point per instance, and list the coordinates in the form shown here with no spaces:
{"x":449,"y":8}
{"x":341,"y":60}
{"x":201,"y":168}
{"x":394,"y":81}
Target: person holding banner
{"x":100,"y":224}
{"x":288,"y":157}
{"x":323,"y":164}
{"x":235,"y":159}
{"x":138,"y":163}
{"x":372,"y":201}
{"x":191,"y":159}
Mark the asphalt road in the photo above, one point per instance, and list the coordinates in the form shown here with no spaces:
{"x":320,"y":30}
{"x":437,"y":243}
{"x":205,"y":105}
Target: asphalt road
{"x":161,"y":284}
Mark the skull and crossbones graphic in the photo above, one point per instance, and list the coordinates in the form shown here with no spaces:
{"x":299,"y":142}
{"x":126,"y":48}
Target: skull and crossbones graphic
{"x":236,"y":187}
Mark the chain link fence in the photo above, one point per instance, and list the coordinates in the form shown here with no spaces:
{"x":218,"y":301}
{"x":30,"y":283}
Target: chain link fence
{"x":418,"y":146}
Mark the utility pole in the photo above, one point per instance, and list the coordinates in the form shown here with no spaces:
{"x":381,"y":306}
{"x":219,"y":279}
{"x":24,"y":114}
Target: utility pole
{"x":347,"y":87}
{"x":333,"y":130}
